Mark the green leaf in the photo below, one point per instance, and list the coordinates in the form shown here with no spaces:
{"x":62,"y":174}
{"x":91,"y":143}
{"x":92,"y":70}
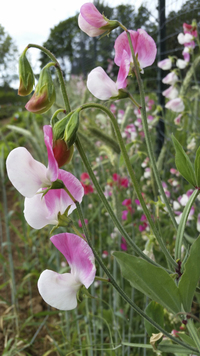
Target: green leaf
{"x":183,"y":163}
{"x":190,"y":277}
{"x":154,"y":311}
{"x":187,"y":339}
{"x":197,"y":167}
{"x":153,"y":281}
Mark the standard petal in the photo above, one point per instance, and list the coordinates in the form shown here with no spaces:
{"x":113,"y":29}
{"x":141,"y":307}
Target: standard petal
{"x":122,"y":44}
{"x":123,"y":71}
{"x":145,"y":49}
{"x":52,"y":170}
{"x":58,"y":290}
{"x":100,"y":84}
{"x":90,"y":30}
{"x":79,"y":256}
{"x":25,"y":173}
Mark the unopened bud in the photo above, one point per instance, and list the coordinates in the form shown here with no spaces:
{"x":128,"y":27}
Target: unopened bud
{"x":59,"y":127}
{"x":44,"y":96}
{"x":71,"y":129}
{"x":62,"y":153}
{"x":26,"y":75}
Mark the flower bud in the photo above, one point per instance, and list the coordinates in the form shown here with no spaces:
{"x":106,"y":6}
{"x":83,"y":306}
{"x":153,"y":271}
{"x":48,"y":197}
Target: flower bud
{"x":62,"y":153}
{"x":92,"y":22}
{"x":44,"y":95}
{"x":71,"y":129}
{"x":26,"y":76}
{"x":59,"y":127}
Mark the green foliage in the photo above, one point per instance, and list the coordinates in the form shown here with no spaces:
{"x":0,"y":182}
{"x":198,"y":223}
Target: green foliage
{"x":154,"y":311}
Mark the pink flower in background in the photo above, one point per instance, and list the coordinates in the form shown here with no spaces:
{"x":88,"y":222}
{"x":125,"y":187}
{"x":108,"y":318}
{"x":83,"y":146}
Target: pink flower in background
{"x":170,"y":93}
{"x":123,"y":244}
{"x":102,"y":86}
{"x":190,"y":29}
{"x":186,"y":54}
{"x":143,"y":45}
{"x":165,"y":64}
{"x":60,"y":290}
{"x":124,"y":214}
{"x":170,"y":78}
{"x":175,"y":105}
{"x":123,"y":182}
{"x":86,"y":183}
{"x":79,"y":222}
{"x":177,"y":120}
{"x":91,"y":21}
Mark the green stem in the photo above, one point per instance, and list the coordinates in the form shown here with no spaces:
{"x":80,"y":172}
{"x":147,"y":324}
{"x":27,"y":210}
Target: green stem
{"x":108,"y":207}
{"x":193,"y":332}
{"x":59,"y":71}
{"x":147,"y":136}
{"x":133,"y":179}
{"x":121,"y":291}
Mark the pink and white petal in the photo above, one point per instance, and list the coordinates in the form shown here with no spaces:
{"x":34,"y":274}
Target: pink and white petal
{"x":122,"y":44}
{"x":25,"y":173}
{"x":52,"y":170}
{"x":58,"y":290}
{"x":145,"y":49}
{"x":101,"y":85}
{"x":123,"y":71}
{"x":90,"y":13}
{"x":78,"y":254}
{"x":37,"y":214}
{"x":90,"y":30}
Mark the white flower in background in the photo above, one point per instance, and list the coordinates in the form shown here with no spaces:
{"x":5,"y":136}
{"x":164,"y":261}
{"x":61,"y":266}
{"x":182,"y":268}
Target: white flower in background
{"x":170,"y":78}
{"x":175,"y":105}
{"x":165,"y":64}
{"x":181,"y":63}
{"x":184,"y":38}
{"x":192,"y":144}
{"x":170,"y":93}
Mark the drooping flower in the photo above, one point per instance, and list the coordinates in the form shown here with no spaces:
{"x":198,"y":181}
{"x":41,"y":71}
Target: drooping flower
{"x":92,"y":22}
{"x":192,"y":29}
{"x":103,"y":87}
{"x":175,"y":105}
{"x":170,"y":78}
{"x":186,"y":40}
{"x":181,"y":64}
{"x":143,"y":45}
{"x":60,"y":290}
{"x":170,"y":93}
{"x":165,"y":64}
{"x":186,"y":54}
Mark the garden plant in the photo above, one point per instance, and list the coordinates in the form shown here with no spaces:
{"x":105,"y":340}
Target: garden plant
{"x":125,"y":221}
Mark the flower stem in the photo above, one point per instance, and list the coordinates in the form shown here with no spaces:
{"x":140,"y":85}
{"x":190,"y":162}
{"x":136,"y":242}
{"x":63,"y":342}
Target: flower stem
{"x":121,"y":291}
{"x":134,"y":180}
{"x":147,"y":136}
{"x":59,"y":71}
{"x":193,"y":332}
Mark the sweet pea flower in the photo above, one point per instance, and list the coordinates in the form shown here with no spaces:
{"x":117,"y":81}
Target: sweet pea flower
{"x":181,"y":64}
{"x":170,"y":78}
{"x":190,"y":29}
{"x":143,"y":45}
{"x":60,"y":290}
{"x":92,"y":22}
{"x":175,"y":105}
{"x":170,"y":93}
{"x":30,"y":177}
{"x":186,"y":54}
{"x":103,"y":87}
{"x":186,"y":40}
{"x":165,"y":64}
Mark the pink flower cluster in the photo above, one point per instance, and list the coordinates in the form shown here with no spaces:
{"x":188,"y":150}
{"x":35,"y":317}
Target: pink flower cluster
{"x":46,"y":199}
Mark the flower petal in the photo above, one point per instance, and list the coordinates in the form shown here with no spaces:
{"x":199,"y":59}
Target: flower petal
{"x":90,"y":30}
{"x":79,"y":256}
{"x":100,"y":84}
{"x":123,"y":71}
{"x":25,"y":173}
{"x":52,"y":170}
{"x":145,"y":49}
{"x":92,"y":16}
{"x":58,"y":290}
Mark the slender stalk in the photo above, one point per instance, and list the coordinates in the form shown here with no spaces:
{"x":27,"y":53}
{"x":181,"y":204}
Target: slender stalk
{"x":147,"y":136}
{"x":59,"y":71}
{"x":108,"y":207}
{"x":134,"y":180}
{"x":121,"y":291}
{"x":193,"y":332}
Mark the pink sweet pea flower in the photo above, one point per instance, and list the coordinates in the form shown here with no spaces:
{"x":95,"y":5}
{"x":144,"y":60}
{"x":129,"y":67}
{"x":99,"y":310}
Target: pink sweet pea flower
{"x":143,"y":45}
{"x":170,"y":78}
{"x":165,"y":64}
{"x":175,"y":105}
{"x":28,"y":175}
{"x":171,"y":92}
{"x":92,"y":22}
{"x":123,"y":244}
{"x":190,"y":29}
{"x":60,"y":290}
{"x":103,"y":87}
{"x":186,"y":54}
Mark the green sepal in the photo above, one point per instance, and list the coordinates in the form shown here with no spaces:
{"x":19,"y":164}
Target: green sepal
{"x":71,"y":129}
{"x":59,"y":127}
{"x":183,"y":163}
{"x":197,"y":167}
{"x":153,"y":281}
{"x":58,"y":184}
